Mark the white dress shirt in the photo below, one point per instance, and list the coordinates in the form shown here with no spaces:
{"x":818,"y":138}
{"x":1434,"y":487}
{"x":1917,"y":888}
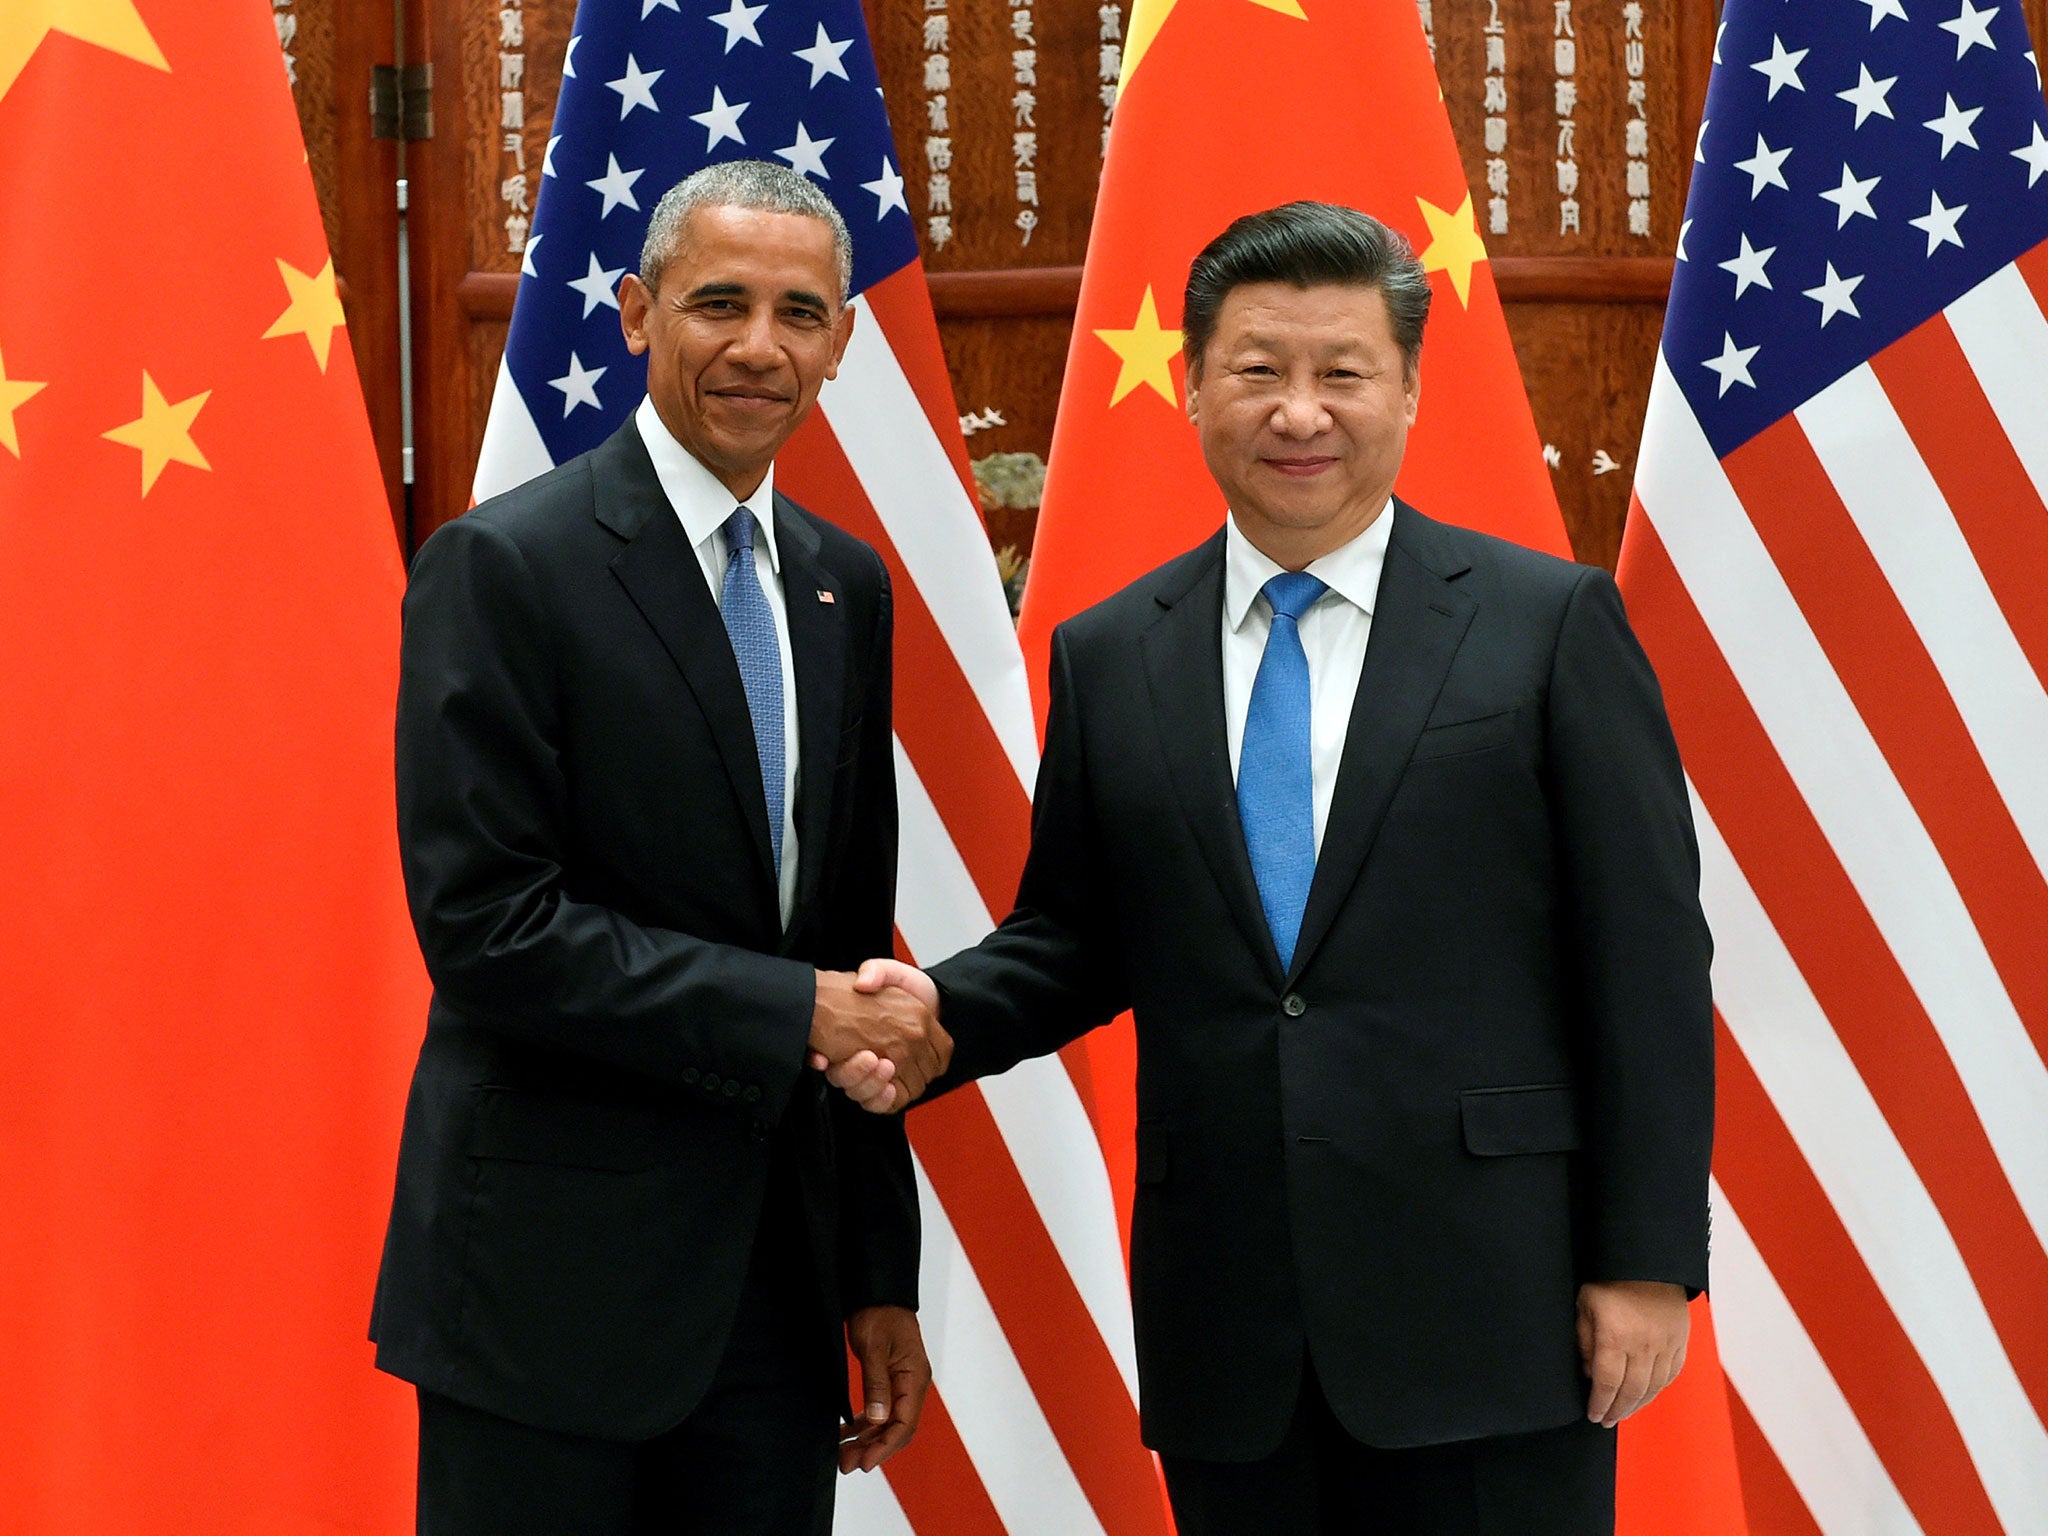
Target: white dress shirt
{"x":1333,"y":636}
{"x":703,"y":504}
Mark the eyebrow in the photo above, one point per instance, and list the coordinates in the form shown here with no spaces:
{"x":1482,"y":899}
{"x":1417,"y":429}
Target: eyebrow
{"x":739,"y":290}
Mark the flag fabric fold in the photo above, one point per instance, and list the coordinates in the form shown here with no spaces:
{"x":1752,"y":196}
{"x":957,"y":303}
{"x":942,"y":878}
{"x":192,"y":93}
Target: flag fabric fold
{"x":1836,"y":557}
{"x":209,"y":990}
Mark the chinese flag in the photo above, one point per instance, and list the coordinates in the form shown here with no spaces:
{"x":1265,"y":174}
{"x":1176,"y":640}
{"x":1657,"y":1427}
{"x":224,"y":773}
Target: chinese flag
{"x":1227,"y":107}
{"x":209,"y":992}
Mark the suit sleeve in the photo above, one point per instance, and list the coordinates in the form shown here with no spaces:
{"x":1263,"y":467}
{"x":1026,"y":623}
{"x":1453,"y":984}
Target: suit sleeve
{"x":482,"y":812}
{"x":1054,"y":969}
{"x":878,"y":1220}
{"x":1640,"y":949}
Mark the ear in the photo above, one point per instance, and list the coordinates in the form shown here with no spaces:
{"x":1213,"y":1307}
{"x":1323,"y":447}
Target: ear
{"x":1411,"y":387}
{"x":842,"y":333}
{"x":636,"y":306}
{"x":1192,"y":372}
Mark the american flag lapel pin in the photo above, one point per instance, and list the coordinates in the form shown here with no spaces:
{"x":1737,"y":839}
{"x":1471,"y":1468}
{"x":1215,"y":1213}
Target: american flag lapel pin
{"x":826,"y":597}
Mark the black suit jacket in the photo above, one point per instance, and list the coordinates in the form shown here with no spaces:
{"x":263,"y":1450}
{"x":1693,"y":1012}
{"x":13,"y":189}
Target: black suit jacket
{"x":616,"y":1042}
{"x":1487,"y":1076}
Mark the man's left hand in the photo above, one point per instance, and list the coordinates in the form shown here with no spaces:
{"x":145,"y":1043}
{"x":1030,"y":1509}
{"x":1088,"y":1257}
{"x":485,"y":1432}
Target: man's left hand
{"x":895,"y":1375}
{"x":1632,"y":1343}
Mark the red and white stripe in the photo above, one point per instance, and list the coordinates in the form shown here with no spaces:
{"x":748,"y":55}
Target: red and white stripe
{"x":1850,"y":617}
{"x":1032,"y":1425}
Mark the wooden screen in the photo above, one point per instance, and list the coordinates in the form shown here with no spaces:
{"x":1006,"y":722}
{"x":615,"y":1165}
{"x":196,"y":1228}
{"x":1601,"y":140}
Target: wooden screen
{"x":1575,"y":118}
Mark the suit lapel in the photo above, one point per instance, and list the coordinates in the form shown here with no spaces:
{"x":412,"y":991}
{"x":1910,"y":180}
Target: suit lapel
{"x":817,"y":643}
{"x":660,"y":573}
{"x":1183,"y":652}
{"x":1417,"y":626}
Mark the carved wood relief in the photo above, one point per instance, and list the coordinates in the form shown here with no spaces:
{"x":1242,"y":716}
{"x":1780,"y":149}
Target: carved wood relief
{"x":1575,"y":119}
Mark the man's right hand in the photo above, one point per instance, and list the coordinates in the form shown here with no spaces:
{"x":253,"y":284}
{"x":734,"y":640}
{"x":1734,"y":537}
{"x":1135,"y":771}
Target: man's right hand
{"x":886,"y":1037}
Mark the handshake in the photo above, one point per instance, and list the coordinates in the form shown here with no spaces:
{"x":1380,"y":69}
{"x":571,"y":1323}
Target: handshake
{"x":876,"y":1034}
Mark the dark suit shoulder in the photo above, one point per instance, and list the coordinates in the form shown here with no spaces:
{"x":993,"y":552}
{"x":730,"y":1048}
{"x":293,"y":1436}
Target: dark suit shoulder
{"x":532,"y":516}
{"x":1136,"y":606}
{"x":1513,"y":569}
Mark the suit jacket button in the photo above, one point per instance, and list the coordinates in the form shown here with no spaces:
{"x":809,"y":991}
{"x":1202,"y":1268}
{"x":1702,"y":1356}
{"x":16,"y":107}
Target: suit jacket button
{"x":757,"y":1128}
{"x":711,"y":1082}
{"x":691,"y":1074}
{"x":752,"y":1095}
{"x":1293,"y":1005}
{"x":732,"y":1089}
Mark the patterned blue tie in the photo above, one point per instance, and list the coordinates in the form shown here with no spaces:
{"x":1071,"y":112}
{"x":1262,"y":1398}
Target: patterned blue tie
{"x":1276,"y":793}
{"x":751,"y":624}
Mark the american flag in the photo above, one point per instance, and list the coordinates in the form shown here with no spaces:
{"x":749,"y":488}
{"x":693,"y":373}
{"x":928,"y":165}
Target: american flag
{"x":1838,"y":559}
{"x":1033,"y":1425}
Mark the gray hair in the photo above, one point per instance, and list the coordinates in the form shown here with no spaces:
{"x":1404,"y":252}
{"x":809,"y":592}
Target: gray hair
{"x":761,"y":185}
{"x":1306,"y":244}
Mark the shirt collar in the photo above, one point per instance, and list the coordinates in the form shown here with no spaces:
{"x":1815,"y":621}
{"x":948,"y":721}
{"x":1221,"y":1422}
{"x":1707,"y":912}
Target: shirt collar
{"x":1352,"y":570}
{"x":700,"y":500}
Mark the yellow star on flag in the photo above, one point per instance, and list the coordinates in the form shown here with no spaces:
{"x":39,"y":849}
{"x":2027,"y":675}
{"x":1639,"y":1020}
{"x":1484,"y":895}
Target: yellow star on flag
{"x":1454,"y":245}
{"x":1148,"y":16}
{"x":1146,"y":351}
{"x":163,"y":432}
{"x":13,"y":394}
{"x":111,"y":24}
{"x":315,"y":309}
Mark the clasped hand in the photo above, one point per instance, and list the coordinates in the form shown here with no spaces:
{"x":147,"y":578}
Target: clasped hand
{"x":877,"y":1034}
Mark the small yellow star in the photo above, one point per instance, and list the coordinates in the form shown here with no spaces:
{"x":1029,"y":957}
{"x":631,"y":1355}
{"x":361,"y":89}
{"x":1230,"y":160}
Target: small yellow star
{"x":1146,"y":350}
{"x":1454,"y":245}
{"x":315,"y":309}
{"x":1148,"y":16}
{"x":110,"y":24}
{"x":163,"y":432}
{"x":13,"y":394}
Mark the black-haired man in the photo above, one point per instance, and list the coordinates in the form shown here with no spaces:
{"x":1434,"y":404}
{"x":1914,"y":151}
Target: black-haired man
{"x":1378,"y":826}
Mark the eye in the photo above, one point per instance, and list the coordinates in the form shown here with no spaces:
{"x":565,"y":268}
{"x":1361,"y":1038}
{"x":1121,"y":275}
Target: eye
{"x":1258,"y":371}
{"x":1343,"y":373}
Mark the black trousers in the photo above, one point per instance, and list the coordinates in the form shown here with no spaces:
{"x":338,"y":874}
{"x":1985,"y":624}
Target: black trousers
{"x":1321,"y":1482}
{"x":757,"y":1457}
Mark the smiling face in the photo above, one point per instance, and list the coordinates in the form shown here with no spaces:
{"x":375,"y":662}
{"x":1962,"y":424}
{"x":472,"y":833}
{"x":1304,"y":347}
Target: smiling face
{"x":1303,"y":400}
{"x":743,"y":329}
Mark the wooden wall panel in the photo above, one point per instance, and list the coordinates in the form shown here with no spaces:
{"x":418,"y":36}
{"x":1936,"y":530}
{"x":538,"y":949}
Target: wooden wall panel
{"x":1581,"y":305}
{"x":330,"y":46}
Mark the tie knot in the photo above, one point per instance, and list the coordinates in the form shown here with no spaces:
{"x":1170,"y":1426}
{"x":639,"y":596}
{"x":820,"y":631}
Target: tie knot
{"x":1293,"y":593}
{"x":739,"y":533}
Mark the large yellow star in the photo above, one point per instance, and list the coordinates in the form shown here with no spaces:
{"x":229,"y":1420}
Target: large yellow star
{"x":163,"y":432}
{"x":1454,"y":245}
{"x":110,"y":24}
{"x":13,"y":394}
{"x":1146,"y":352}
{"x":1148,"y":16}
{"x":315,"y":309}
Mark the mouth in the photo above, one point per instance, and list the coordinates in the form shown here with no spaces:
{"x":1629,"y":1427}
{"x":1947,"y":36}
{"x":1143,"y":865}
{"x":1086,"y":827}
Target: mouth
{"x":750,"y":400}
{"x":1300,"y":466}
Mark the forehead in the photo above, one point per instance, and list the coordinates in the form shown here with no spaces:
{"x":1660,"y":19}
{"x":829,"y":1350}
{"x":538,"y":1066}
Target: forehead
{"x":1328,"y":316}
{"x":754,"y":247}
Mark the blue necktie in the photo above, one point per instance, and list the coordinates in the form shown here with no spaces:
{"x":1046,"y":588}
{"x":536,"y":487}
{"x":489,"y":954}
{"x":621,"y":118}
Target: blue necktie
{"x":1276,"y":792}
{"x":751,"y":624}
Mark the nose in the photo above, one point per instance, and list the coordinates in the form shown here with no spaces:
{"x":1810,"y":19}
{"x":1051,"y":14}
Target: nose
{"x":754,"y":346}
{"x":1299,"y":413}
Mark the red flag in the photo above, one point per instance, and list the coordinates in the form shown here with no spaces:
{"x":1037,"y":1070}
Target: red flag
{"x":208,"y":988}
{"x":1362,"y":124}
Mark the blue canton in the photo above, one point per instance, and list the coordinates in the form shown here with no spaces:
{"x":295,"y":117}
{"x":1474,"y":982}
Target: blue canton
{"x":1863,"y":164}
{"x":651,"y":91}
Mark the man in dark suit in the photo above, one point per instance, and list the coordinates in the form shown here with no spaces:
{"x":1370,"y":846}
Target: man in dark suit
{"x":1378,"y":826}
{"x":646,"y":807}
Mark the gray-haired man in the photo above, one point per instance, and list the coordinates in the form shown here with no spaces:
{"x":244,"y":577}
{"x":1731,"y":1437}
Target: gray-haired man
{"x":648,"y":818}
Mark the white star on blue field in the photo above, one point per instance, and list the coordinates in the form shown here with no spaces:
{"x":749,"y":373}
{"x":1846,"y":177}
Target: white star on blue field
{"x":658,"y":89}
